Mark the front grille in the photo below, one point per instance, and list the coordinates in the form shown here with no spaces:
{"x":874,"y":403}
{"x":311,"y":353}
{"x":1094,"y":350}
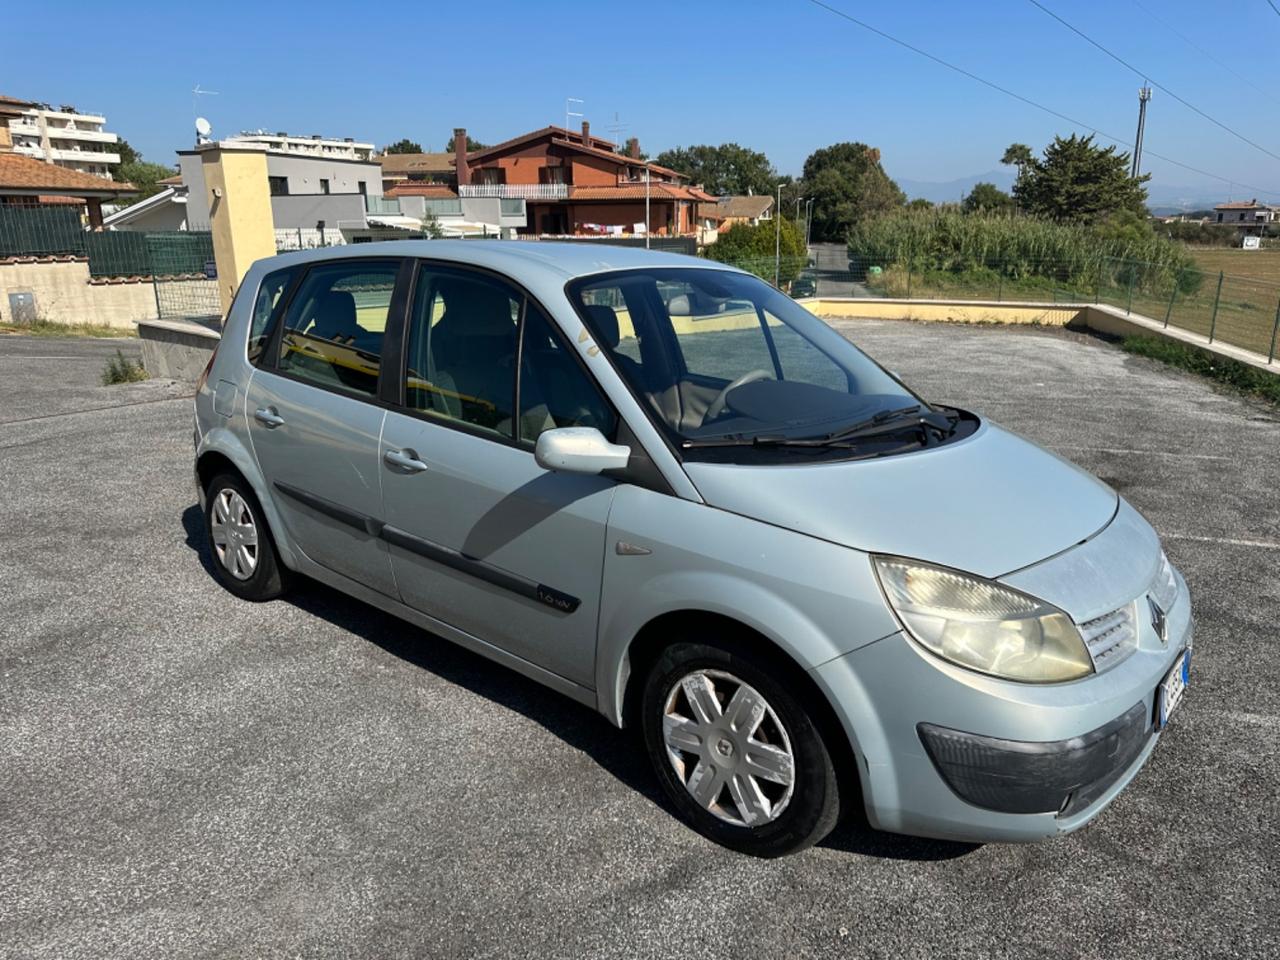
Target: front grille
{"x":1111,"y":637}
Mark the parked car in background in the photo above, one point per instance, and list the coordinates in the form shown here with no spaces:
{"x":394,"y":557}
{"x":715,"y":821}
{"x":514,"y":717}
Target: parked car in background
{"x":804,"y":286}
{"x":661,"y":487}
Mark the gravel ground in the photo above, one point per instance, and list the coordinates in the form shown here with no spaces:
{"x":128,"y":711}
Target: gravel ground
{"x":183,"y":774}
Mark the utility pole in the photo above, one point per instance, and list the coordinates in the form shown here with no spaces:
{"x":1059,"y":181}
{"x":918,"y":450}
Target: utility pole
{"x":808,"y":223}
{"x":1144,"y":94}
{"x":777,"y":237}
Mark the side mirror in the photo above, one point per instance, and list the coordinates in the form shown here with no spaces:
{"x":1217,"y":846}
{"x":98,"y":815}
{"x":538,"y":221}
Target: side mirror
{"x":579,"y":450}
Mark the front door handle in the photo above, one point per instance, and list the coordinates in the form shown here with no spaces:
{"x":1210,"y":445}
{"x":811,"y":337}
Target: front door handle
{"x":268,"y":417}
{"x":405,"y":460}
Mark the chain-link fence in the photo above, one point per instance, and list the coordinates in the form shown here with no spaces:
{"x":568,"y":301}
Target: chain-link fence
{"x":1241,"y":311}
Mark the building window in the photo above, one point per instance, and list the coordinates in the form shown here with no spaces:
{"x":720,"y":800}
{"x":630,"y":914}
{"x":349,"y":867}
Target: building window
{"x":324,"y":186}
{"x":552,"y":175}
{"x":490,"y":176}
{"x":279,"y":186}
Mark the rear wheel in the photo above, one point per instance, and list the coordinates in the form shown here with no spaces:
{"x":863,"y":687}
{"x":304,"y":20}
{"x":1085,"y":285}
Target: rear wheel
{"x":738,"y":754}
{"x":243,"y":553}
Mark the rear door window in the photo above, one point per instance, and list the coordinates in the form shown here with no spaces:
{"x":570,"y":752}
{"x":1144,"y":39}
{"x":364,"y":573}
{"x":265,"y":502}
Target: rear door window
{"x":334,"y":326}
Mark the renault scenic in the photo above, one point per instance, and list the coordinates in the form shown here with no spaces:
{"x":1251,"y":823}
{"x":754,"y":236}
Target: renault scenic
{"x":663,"y":488}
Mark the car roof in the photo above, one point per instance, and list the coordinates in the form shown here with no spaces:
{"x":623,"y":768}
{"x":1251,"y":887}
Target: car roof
{"x":523,"y":260}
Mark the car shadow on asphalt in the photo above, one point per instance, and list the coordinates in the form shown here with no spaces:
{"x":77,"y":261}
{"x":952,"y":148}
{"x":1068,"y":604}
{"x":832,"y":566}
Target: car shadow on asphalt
{"x":619,"y":752}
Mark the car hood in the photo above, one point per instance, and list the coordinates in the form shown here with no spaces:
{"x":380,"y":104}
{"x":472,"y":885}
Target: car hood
{"x":991,"y":503}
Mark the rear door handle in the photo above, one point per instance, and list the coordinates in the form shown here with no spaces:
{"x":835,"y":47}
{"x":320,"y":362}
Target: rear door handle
{"x":405,"y":460}
{"x":268,"y":417}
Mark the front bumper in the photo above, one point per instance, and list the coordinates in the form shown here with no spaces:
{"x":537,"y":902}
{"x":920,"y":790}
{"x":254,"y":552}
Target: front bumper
{"x":948,"y":753}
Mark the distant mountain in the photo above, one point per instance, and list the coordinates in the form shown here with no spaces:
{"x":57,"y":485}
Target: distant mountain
{"x":953,"y":191}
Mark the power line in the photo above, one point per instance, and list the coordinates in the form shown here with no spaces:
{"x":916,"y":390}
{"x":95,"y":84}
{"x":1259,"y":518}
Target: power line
{"x":1203,"y":52}
{"x":1143,"y":75}
{"x":1032,"y":103}
{"x":1274,"y":7}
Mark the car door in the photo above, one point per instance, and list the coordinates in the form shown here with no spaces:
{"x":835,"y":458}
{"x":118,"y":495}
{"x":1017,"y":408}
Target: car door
{"x":481,"y":537}
{"x":314,"y":418}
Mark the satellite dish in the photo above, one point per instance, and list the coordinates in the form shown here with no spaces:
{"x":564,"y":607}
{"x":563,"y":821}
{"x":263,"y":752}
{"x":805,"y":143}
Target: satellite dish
{"x":203,"y":128}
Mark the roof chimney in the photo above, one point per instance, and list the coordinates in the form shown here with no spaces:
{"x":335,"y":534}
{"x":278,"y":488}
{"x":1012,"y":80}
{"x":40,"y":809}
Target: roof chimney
{"x":460,"y":154}
{"x":586,"y":133}
{"x":633,"y":148}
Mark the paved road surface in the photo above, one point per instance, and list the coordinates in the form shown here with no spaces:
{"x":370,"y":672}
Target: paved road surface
{"x":186,"y":775}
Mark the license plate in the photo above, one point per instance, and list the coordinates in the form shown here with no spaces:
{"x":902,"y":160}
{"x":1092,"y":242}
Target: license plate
{"x":1169,"y":693}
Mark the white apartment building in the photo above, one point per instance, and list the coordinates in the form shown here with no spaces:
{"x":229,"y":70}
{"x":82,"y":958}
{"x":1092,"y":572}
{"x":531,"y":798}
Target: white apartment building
{"x":329,"y":148}
{"x":65,"y":137}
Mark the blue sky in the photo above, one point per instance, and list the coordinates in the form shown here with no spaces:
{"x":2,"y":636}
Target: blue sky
{"x":785,"y":77}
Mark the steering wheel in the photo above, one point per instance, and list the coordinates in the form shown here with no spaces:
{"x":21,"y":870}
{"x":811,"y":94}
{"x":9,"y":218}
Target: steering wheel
{"x":721,"y":401}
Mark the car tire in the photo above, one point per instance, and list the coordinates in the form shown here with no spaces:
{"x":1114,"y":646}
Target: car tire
{"x":241,"y":548}
{"x":725,"y":771}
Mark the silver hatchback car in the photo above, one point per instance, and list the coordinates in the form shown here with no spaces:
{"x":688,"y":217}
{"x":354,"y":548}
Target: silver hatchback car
{"x":663,"y":488}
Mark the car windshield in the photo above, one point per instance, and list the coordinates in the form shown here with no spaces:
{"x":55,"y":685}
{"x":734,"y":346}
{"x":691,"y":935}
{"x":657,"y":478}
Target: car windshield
{"x":723,"y":360}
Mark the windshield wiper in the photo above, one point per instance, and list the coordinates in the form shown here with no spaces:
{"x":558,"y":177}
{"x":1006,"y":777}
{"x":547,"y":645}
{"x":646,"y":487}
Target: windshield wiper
{"x":878,"y":424}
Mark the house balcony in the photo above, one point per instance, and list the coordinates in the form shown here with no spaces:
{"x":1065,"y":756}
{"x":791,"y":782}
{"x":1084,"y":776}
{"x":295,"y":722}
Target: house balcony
{"x":28,"y":127}
{"x":515,"y":191}
{"x":384,"y":206}
{"x":91,"y":136}
{"x":83,"y":156}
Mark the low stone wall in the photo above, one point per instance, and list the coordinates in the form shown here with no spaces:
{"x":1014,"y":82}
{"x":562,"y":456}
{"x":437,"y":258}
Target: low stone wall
{"x":955,"y":311}
{"x":65,"y":293}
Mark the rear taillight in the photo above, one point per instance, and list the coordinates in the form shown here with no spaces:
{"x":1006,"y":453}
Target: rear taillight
{"x":204,"y":377}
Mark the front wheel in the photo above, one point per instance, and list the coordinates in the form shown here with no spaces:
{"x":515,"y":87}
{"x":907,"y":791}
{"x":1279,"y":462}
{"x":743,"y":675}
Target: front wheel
{"x":739,"y":756}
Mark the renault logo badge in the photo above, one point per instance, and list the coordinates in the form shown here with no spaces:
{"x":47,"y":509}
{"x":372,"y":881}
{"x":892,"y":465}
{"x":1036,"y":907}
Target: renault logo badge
{"x":1159,"y":621}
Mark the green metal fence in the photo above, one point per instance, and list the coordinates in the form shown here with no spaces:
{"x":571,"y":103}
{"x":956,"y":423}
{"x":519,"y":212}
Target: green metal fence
{"x":176,"y":260}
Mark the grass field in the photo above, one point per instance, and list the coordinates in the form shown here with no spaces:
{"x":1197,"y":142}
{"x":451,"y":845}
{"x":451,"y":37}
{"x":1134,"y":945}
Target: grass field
{"x":1254,"y":264}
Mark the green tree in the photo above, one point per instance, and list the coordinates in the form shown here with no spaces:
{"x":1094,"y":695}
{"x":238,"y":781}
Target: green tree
{"x":728,"y":169}
{"x":919,"y":203}
{"x":143,"y":175}
{"x":404,"y":146}
{"x":472,"y":143}
{"x":986,"y":197}
{"x":1079,"y":181}
{"x":848,"y":185}
{"x":752,"y":248}
{"x":431,"y":225}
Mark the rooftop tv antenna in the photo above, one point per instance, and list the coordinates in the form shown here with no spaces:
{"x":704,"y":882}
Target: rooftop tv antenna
{"x":569,"y":112}
{"x":196,"y":94}
{"x":617,"y":128}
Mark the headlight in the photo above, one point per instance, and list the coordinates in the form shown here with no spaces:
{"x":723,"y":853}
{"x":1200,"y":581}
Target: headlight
{"x":982,"y":625}
{"x":1164,"y":589}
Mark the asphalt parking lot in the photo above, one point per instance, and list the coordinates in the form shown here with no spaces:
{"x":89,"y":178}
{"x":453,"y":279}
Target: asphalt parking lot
{"x":184,"y":774}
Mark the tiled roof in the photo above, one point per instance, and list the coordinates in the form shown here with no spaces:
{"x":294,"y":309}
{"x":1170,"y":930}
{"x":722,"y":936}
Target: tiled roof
{"x":746,"y":207}
{"x":657,"y":191}
{"x":553,"y":131}
{"x":14,"y":102}
{"x":433,"y":191}
{"x":403,"y":164}
{"x":174,"y":181}
{"x":25,"y":173}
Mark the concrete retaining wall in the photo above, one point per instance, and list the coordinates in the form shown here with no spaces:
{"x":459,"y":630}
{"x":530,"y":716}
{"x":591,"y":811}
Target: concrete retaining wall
{"x":176,"y":350}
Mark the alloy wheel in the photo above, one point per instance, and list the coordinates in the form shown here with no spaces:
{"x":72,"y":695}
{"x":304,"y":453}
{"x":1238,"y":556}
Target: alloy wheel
{"x":234,"y":534}
{"x":728,"y":747}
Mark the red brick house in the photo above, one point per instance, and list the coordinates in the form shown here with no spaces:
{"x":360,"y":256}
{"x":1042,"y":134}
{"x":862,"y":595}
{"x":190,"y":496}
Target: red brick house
{"x":572,"y":183}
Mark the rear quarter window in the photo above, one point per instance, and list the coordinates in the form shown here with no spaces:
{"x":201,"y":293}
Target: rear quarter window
{"x":270,"y":292}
